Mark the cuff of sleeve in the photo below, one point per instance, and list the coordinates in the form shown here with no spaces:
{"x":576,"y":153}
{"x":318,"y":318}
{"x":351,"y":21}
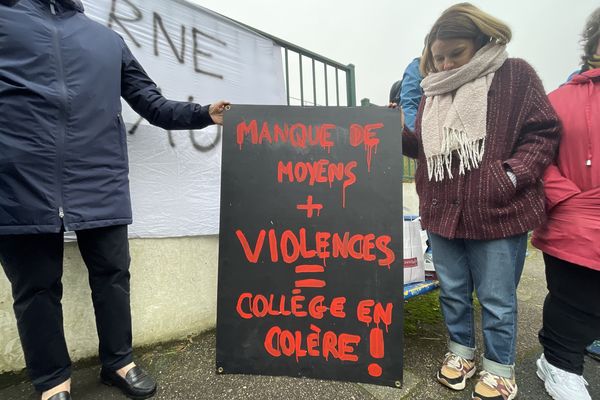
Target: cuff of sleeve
{"x":512,"y":177}
{"x":202,"y":118}
{"x":409,"y":143}
{"x":520,"y":172}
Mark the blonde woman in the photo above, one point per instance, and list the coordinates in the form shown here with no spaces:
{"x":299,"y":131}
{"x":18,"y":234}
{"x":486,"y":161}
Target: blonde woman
{"x":484,"y":134}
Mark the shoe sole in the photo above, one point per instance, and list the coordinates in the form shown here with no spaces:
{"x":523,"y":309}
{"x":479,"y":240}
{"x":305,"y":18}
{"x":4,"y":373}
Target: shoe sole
{"x":130,"y":396}
{"x":456,"y":386}
{"x":511,"y":396}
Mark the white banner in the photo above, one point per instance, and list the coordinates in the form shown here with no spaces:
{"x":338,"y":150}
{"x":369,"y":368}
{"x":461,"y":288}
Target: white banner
{"x":192,"y":54}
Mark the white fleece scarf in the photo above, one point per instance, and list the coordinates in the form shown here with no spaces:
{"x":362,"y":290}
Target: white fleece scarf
{"x":455,"y":113}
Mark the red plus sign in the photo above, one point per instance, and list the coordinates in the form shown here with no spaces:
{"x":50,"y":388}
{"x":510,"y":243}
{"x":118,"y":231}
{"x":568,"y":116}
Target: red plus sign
{"x":310,"y":207}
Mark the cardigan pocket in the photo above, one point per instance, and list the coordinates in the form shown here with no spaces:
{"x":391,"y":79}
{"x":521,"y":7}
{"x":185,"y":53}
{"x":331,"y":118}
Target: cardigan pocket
{"x":502,"y":190}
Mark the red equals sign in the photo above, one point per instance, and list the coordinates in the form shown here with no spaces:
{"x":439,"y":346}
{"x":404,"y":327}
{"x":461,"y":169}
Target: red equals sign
{"x":309,"y":269}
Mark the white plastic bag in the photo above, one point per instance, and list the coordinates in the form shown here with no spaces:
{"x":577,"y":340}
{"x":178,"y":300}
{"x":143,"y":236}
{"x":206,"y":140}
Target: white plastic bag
{"x":414,"y":262}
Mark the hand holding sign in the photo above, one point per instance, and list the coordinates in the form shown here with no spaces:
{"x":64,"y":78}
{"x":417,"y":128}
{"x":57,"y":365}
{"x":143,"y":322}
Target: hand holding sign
{"x":216,"y":110}
{"x":394,"y":106}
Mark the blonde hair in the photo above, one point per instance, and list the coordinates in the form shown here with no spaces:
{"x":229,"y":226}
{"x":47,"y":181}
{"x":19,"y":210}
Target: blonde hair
{"x":464,"y":21}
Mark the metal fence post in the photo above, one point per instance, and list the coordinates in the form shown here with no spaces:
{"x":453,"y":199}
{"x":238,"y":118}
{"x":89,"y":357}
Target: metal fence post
{"x":351,"y":86}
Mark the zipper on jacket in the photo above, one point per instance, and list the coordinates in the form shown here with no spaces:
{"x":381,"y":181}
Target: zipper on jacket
{"x":63,"y":111}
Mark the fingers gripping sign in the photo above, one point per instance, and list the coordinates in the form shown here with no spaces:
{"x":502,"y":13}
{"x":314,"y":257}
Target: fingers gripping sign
{"x":216,"y":111}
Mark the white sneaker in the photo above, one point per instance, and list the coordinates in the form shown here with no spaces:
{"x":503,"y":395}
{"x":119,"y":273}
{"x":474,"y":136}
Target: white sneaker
{"x":560,"y":384}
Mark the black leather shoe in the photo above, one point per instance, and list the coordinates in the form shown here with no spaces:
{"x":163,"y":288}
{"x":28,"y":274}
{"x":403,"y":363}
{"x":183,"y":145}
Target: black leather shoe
{"x":61,"y":396}
{"x":137,"y":384}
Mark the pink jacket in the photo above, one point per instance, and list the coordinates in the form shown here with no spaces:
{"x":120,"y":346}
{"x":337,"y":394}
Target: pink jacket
{"x":572,"y":183}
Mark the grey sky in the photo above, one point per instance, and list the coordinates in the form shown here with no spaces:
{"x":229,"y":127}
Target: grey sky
{"x":380,"y":37}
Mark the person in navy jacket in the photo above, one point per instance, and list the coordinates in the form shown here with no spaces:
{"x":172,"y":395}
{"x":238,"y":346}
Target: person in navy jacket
{"x":64,"y":167}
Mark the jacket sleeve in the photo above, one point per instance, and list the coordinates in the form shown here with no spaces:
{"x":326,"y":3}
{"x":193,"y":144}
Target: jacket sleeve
{"x":540,"y":132}
{"x":142,"y":94}
{"x":557,"y":187}
{"x":410,"y":143}
{"x":410,"y":138}
{"x":410,"y":93}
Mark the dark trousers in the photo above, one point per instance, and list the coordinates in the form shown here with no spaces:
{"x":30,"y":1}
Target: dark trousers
{"x":571,"y":313}
{"x":34,"y":266}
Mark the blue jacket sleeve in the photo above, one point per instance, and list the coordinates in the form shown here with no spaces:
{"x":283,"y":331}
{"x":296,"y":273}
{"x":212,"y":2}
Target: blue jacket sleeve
{"x":411,"y":93}
{"x":142,"y":94}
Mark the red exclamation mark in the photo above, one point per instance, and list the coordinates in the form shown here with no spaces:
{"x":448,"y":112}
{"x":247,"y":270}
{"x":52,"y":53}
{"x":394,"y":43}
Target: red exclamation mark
{"x":377,"y":351}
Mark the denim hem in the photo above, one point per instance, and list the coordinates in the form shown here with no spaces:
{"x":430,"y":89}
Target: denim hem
{"x":462,"y":351}
{"x":503,"y":370}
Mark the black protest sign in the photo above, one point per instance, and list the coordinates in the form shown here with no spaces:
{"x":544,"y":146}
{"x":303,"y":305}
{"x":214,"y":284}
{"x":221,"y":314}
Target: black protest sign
{"x":310,"y":245}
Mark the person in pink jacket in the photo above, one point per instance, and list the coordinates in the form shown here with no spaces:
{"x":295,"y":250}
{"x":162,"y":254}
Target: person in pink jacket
{"x":570,"y":237}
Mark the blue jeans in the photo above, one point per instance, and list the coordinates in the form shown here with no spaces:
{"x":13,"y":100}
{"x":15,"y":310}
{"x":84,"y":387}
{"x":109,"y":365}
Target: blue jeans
{"x":493,"y":269}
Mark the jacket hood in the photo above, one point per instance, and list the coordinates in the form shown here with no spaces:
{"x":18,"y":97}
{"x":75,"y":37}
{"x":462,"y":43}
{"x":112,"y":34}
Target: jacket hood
{"x":76,"y":5}
{"x":584,"y":77}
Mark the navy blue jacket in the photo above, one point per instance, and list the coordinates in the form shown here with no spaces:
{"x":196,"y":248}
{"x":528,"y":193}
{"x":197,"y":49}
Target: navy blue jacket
{"x":63,"y":148}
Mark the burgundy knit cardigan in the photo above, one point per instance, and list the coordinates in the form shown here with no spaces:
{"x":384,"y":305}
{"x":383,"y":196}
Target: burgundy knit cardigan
{"x":522,"y":134}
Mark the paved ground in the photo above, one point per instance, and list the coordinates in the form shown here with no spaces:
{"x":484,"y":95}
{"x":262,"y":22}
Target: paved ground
{"x":185,"y":370}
